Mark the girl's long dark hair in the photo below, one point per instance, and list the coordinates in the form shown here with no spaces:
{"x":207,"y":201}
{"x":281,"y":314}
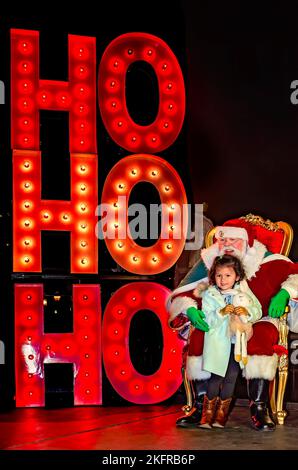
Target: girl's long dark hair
{"x":226,"y":260}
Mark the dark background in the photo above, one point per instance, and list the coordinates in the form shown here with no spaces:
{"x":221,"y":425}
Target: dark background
{"x":237,"y":150}
{"x":241,"y":125}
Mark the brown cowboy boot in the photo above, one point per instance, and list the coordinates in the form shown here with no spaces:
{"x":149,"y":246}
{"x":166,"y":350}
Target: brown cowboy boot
{"x":209,"y":408}
{"x":222,"y":413}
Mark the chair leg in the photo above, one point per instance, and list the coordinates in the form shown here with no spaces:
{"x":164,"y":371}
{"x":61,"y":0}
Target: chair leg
{"x":272,"y":392}
{"x":283,"y":365}
{"x":190,"y":398}
{"x":282,"y":381}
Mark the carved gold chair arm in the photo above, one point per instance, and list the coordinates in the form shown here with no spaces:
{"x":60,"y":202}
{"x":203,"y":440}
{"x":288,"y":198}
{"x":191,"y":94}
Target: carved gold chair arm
{"x":277,"y":403}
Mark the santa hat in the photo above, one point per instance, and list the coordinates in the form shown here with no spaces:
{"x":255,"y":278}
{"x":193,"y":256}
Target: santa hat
{"x":240,"y":228}
{"x":231,"y":232}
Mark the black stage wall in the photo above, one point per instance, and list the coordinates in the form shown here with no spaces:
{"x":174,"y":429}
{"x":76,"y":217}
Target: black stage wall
{"x":241,"y":125}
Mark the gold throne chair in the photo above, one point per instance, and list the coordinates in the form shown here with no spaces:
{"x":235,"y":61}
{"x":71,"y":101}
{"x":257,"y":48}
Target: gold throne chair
{"x":278,"y":238}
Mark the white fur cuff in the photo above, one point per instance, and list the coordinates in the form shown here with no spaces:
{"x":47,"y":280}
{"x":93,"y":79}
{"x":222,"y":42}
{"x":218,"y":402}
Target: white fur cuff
{"x":194,"y":369}
{"x":180,"y":305}
{"x":261,"y":367}
{"x":291,"y":285}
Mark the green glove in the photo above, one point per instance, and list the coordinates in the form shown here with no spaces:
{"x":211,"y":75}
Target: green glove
{"x":196,"y":317}
{"x":278,"y":304}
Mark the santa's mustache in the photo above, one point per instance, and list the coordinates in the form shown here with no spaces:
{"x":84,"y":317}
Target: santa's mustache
{"x":235,"y":252}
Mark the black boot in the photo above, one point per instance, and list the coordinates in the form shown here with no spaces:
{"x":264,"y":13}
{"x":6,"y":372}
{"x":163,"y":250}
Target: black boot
{"x":258,"y":393}
{"x":193,"y":417}
{"x":269,"y":420}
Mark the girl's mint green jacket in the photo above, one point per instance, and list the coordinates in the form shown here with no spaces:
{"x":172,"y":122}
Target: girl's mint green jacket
{"x":217,"y":341}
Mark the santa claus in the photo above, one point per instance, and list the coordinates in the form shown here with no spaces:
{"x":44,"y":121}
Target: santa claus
{"x":273,"y":278}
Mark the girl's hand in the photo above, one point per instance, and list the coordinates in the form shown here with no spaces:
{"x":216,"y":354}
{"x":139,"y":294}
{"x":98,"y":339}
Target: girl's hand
{"x":227,"y":310}
{"x":240,"y":311}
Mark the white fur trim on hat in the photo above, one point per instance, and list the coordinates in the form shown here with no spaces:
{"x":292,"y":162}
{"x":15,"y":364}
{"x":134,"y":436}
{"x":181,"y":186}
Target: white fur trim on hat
{"x":291,"y":285}
{"x":261,"y":367}
{"x":194,"y":369}
{"x":180,"y":305}
{"x":231,"y":232}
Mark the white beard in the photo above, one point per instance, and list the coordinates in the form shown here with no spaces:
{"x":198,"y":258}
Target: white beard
{"x":251,"y":258}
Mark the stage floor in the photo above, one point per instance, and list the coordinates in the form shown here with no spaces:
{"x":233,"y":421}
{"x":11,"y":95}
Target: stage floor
{"x":134,"y":428}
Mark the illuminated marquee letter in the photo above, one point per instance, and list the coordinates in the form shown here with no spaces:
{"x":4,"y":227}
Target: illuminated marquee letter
{"x":129,"y":383}
{"x":29,"y":94}
{"x":34,"y":348}
{"x":122,"y":178}
{"x":117,"y":58}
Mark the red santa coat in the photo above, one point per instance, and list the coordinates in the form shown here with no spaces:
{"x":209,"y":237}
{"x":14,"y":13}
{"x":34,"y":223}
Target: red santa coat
{"x":266,"y":276}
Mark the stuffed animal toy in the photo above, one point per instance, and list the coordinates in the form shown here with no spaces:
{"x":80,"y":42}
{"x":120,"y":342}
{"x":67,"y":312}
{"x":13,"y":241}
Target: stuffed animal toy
{"x":240,"y":326}
{"x":238,"y":323}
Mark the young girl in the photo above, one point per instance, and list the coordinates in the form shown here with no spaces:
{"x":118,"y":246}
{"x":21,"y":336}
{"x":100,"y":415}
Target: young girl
{"x":226,"y":278}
